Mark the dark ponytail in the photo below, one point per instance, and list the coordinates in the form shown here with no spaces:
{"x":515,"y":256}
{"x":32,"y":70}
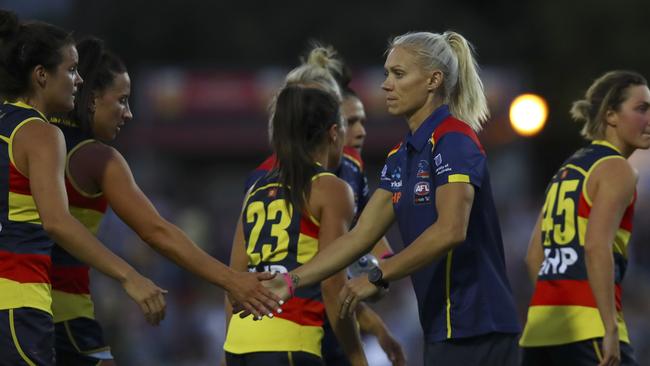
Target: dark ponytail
{"x":302,"y":119}
{"x":25,"y":46}
{"x":99,"y":67}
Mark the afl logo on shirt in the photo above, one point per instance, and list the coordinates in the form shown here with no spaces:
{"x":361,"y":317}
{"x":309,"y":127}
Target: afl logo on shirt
{"x":422,"y":193}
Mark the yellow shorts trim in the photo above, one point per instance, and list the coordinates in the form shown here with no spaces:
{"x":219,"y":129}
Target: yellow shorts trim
{"x":15,"y":339}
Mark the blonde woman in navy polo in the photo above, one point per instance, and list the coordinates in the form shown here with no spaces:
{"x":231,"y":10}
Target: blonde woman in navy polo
{"x":436,"y":185}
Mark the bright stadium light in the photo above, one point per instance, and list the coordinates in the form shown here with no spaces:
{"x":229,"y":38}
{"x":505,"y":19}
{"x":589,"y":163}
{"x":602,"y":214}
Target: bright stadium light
{"x":528,"y":114}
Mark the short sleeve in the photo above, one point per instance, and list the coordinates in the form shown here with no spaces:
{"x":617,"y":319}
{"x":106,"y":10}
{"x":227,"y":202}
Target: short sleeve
{"x":458,"y":159}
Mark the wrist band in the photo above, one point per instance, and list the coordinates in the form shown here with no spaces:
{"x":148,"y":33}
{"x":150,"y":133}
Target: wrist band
{"x":289,"y":282}
{"x":386,"y":255}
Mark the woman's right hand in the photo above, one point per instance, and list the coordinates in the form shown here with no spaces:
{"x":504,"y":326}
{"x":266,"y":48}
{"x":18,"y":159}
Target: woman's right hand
{"x":249,"y":296}
{"x":147,"y":295}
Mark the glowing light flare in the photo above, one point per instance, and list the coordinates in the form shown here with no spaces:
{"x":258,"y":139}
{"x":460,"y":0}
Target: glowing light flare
{"x":528,"y":113}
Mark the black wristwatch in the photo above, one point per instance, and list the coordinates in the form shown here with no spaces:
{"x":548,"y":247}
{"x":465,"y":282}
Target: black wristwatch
{"x":376,"y":277}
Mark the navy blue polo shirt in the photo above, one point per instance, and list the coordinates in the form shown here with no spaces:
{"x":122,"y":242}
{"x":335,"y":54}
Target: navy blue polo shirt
{"x":466,"y":292}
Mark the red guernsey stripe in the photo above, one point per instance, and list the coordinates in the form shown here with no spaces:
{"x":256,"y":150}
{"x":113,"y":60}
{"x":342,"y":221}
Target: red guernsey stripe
{"x":583,"y":207}
{"x":569,"y":292}
{"x":25,"y":268}
{"x":268,"y":164}
{"x":75,"y":199}
{"x":628,"y":216}
{"x":303,"y":311}
{"x":451,"y":124}
{"x":354,"y":154}
{"x":18,"y":183}
{"x":72,"y":279}
{"x":307,"y":227}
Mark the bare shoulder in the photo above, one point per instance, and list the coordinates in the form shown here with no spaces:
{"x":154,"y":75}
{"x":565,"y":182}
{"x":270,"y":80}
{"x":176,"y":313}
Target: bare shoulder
{"x":616,"y":176}
{"x":96,"y":151}
{"x":330,"y":186}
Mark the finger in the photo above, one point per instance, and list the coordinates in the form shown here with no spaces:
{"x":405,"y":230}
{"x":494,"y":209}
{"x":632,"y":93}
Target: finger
{"x":252,"y":308}
{"x":270,"y":300}
{"x":261,"y":307}
{"x":155,"y":311}
{"x":353,"y":306}
{"x":345,"y":304}
{"x":160,"y":301}
{"x":263,"y":276}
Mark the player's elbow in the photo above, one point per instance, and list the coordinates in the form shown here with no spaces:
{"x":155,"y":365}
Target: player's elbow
{"x":456,"y":235}
{"x":55,"y":225}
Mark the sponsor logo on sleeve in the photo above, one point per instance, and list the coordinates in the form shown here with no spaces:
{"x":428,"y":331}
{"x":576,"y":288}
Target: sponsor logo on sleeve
{"x":441,"y":167}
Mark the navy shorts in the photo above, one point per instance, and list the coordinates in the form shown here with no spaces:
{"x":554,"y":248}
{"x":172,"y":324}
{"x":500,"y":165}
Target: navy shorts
{"x":273,"y":359}
{"x":26,"y":337}
{"x":493,"y":349}
{"x":80,"y":342}
{"x":577,"y":353}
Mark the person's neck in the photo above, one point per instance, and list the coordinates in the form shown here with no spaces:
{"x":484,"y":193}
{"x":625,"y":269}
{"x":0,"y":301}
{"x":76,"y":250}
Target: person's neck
{"x":416,"y":119}
{"x":321,"y":157}
{"x":625,"y":149}
{"x":34,"y":102}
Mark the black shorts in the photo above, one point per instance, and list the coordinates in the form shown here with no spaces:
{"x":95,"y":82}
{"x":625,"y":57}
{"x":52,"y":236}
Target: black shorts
{"x":26,"y":337}
{"x":273,"y":359}
{"x":578,"y":353}
{"x":493,"y":349}
{"x":333,"y":354}
{"x":80,"y":342}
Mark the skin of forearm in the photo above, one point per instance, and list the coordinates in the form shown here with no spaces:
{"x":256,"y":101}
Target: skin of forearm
{"x":433,"y":243}
{"x":78,"y":241}
{"x":345,"y":329}
{"x":333,"y":258}
{"x":600,"y":270}
{"x":174,"y":244}
{"x":369,"y":321}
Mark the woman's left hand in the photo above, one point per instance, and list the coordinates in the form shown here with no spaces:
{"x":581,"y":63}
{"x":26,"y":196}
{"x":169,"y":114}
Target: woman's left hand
{"x":354,"y":291}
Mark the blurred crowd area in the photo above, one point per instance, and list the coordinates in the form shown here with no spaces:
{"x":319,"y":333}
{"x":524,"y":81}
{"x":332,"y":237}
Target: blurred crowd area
{"x":204,"y":72}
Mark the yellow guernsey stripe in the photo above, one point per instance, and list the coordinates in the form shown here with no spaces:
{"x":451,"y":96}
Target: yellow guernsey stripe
{"x":549,"y":325}
{"x":577,"y":168}
{"x":69,"y":175}
{"x":15,"y":339}
{"x":448,"y":291}
{"x":90,"y":218}
{"x":22,"y":208}
{"x":5,"y":139}
{"x":11,"y":139}
{"x":608,"y":144}
{"x":31,"y":295}
{"x":394,"y":150}
{"x":458,"y":178}
{"x":598,"y":162}
{"x":66,"y":306}
{"x":597,"y":350}
{"x":271,"y":335}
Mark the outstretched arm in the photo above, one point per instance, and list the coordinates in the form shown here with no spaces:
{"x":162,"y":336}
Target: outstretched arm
{"x":137,"y":211}
{"x":454,"y":205}
{"x":39,"y":150}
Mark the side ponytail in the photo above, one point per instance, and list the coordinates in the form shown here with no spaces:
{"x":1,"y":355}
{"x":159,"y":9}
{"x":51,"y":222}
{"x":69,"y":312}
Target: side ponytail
{"x":467,"y":100}
{"x":451,"y":53}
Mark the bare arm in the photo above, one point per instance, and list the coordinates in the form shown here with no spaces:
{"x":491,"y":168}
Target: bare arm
{"x":382,"y":248}
{"x":535,"y":253}
{"x":39,"y":150}
{"x":375,"y":220}
{"x":611,"y":187}
{"x":453,"y":204}
{"x":137,"y":211}
{"x":370,"y":322}
{"x":335,"y":218}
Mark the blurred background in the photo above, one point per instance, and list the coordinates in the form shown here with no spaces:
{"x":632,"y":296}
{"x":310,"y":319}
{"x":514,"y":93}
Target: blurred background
{"x":203,"y":73}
